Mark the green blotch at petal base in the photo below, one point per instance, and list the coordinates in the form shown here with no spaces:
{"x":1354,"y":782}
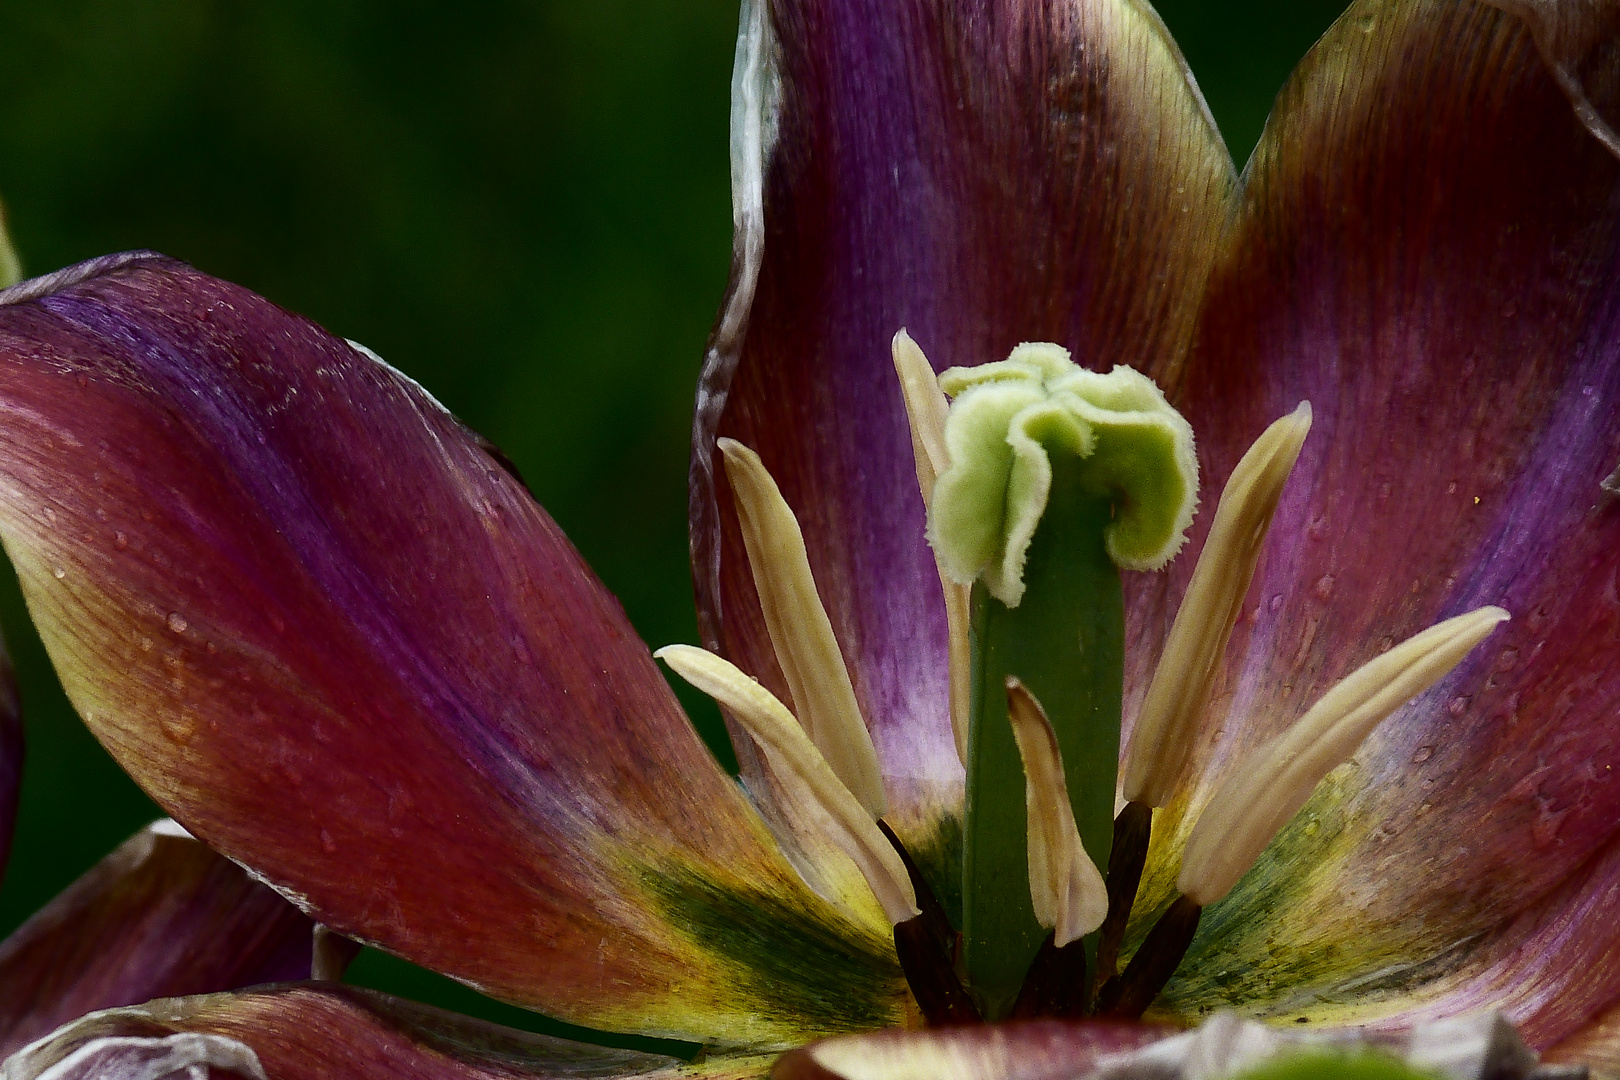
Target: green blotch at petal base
{"x":813,"y":972}
{"x":1322,"y":1065}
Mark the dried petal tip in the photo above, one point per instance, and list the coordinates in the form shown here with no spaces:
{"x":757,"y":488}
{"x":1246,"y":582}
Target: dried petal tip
{"x":1065,"y":886}
{"x":1005,"y":421}
{"x":1259,"y":797}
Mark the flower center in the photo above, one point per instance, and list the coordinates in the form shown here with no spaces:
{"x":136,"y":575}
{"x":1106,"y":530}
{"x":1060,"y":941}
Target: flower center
{"x":1042,"y":480}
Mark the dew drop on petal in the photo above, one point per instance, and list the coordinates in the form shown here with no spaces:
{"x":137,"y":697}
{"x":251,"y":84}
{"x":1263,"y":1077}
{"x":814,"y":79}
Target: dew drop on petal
{"x":58,"y":572}
{"x":1457,"y":706}
{"x":177,"y":622}
{"x":1422,"y":754}
{"x":120,"y":541}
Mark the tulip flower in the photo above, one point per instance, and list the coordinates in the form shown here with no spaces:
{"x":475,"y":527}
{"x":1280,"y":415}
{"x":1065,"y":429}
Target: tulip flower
{"x":326,"y":628}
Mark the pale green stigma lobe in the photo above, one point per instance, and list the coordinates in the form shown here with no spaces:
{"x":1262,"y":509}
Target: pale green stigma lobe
{"x":1006,"y":420}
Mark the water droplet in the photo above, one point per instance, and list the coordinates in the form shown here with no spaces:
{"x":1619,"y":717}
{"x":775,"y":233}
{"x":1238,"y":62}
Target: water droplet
{"x":1588,"y":391}
{"x":120,"y":541}
{"x":1457,"y":706}
{"x":50,"y":515}
{"x":1422,"y":754}
{"x":1324,"y":587}
{"x":1276,"y":601}
{"x":146,"y":643}
{"x":58,"y":572}
{"x":177,"y":622}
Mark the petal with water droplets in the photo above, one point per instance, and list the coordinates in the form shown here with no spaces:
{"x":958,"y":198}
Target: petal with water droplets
{"x":301,"y":604}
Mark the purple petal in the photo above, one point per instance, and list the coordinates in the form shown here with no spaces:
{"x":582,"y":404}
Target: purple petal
{"x":326,"y":1032}
{"x":1427,"y":252}
{"x":984,"y":173}
{"x":162,"y":915}
{"x":335,"y":639}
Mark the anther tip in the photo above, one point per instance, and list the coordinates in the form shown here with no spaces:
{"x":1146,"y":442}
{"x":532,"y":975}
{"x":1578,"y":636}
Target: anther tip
{"x":1302,"y":412}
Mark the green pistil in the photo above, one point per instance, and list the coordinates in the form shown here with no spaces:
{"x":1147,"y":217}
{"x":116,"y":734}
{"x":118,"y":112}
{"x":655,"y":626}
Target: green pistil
{"x":1065,"y":641}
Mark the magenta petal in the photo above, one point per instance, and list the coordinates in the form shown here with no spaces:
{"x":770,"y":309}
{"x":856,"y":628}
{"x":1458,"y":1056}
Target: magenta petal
{"x":326,"y":1032}
{"x":162,"y":915}
{"x":1427,"y":251}
{"x":334,"y":638}
{"x":983,"y":173}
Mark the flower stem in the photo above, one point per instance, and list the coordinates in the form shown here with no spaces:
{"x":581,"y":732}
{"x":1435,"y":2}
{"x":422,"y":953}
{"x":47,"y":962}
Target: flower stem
{"x":1065,"y":642}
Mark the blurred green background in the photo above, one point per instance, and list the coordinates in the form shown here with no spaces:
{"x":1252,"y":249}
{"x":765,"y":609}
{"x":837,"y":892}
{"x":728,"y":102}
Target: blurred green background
{"x":523,"y":205}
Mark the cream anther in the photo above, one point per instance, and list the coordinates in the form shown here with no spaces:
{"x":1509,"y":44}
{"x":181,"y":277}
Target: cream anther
{"x":800,"y":766}
{"x":926,"y":410}
{"x":1167,"y":725}
{"x":802,"y":635}
{"x":1260,"y":795}
{"x":1066,"y":888}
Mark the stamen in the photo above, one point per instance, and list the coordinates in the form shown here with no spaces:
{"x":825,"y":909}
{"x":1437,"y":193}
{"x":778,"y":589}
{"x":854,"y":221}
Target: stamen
{"x":1065,"y":886}
{"x":800,"y":631}
{"x":926,"y":410}
{"x":800,"y":765}
{"x":1133,"y":829}
{"x":1161,"y":952}
{"x":1167,"y":725}
{"x":1258,"y":798}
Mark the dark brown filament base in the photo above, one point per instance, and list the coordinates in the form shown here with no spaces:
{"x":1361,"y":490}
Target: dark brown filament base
{"x":1133,"y":828}
{"x":1128,"y":996}
{"x":1056,"y":984}
{"x":932,"y":976}
{"x":938,"y":923}
{"x":927,"y":946}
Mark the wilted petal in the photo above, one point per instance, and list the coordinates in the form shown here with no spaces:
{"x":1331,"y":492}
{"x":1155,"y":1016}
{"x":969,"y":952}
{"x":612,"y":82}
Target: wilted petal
{"x":981,"y":173}
{"x":1426,"y":252}
{"x":319,"y":1032}
{"x":331,"y":635}
{"x":162,"y":915}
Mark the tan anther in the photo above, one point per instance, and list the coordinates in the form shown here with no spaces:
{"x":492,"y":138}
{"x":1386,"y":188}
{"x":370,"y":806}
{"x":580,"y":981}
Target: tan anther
{"x":801,"y":633}
{"x":798,"y":764}
{"x":1167,"y":726}
{"x":1065,"y":886}
{"x":1258,"y":797}
{"x":926,"y":410}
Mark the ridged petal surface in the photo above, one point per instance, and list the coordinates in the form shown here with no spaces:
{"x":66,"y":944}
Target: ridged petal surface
{"x":337,"y":641}
{"x":325,"y":1032}
{"x":160,"y":916}
{"x":982,"y":172}
{"x":1427,"y":251}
